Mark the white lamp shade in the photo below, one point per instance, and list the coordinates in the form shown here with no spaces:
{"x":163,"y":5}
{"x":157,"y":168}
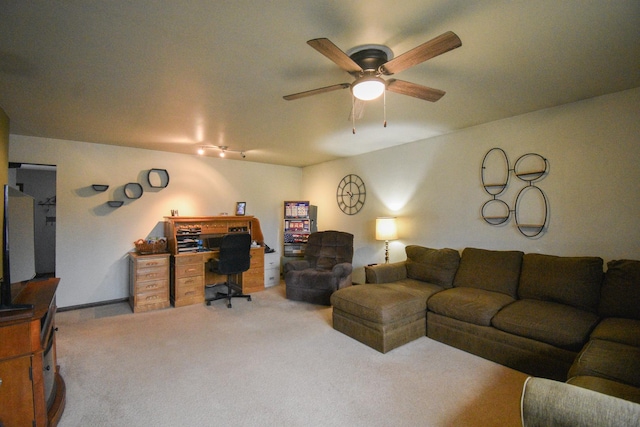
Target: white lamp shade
{"x":368,"y":88}
{"x":386,"y":229}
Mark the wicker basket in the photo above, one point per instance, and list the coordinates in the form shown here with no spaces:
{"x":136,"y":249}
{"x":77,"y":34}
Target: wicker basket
{"x":145,"y":247}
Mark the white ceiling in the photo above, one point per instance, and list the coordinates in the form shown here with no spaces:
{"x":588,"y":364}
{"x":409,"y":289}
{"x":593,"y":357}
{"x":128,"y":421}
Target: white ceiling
{"x":173,"y":75}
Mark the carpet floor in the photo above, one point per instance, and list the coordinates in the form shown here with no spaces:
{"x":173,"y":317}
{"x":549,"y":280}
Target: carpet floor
{"x":268,"y":362}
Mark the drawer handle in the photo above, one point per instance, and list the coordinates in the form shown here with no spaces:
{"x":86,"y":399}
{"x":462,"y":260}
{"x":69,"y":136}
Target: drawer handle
{"x":152,"y":263}
{"x":151,"y":286}
{"x":188,"y":281}
{"x":151,"y":275}
{"x":192,"y":269}
{"x":190,"y":293}
{"x":151,"y":297}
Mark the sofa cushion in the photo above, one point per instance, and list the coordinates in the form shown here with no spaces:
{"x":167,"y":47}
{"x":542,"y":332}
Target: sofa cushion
{"x":621,"y":290}
{"x":437,"y":266}
{"x":556,"y":324}
{"x":625,"y":331}
{"x":574,"y":281}
{"x":496,"y":271}
{"x":610,"y":360}
{"x":469,"y":305}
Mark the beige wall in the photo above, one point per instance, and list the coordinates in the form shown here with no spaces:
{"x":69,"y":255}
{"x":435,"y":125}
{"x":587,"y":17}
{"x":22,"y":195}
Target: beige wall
{"x":434,"y":186}
{"x":93,"y":239}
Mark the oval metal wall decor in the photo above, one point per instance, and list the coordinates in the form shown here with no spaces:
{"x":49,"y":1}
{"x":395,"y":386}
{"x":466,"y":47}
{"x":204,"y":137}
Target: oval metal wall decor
{"x":495,"y":171}
{"x":531,"y":209}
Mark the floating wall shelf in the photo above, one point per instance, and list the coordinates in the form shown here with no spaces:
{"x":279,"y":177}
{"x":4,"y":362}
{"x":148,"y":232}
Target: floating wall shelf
{"x":158,"y":178}
{"x":115,"y":203}
{"x":133,"y":190}
{"x":100,"y":187}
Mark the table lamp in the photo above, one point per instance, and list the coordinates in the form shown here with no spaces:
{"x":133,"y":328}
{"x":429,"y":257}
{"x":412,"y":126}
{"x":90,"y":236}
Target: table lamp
{"x":386,"y":230}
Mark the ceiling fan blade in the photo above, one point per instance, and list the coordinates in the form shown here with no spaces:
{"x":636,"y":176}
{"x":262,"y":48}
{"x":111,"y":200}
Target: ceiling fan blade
{"x":415,"y":90}
{"x":357,"y":110}
{"x":316,"y":91}
{"x":441,"y":44}
{"x":333,"y":52}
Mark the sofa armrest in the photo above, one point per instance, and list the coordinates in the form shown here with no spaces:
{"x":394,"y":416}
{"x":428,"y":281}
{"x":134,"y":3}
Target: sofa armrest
{"x":296,"y":265}
{"x":552,"y":403}
{"x":386,"y":273}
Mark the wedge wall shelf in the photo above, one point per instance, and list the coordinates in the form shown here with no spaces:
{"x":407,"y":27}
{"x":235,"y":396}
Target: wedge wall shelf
{"x":100,"y":187}
{"x":531,"y":209}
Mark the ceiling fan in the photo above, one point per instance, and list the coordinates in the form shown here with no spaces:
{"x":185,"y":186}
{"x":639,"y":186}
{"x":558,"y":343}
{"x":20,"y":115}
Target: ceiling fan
{"x":368,"y":63}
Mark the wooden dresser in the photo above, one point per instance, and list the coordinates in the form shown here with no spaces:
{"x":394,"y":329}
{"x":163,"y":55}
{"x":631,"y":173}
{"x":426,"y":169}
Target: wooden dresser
{"x":148,"y":281}
{"x":32,"y":391}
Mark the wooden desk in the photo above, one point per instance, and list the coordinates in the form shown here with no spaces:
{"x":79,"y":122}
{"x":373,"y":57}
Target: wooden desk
{"x":189,"y":274}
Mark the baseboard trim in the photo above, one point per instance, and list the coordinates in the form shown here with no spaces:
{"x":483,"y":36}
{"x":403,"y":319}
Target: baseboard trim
{"x":92,"y":304}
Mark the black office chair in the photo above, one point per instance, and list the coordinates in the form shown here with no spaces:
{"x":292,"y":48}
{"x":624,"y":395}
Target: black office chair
{"x":234,"y":259}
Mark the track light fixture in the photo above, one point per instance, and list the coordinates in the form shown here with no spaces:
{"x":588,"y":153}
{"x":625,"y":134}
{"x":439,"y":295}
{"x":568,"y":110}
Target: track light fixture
{"x":223,"y":150}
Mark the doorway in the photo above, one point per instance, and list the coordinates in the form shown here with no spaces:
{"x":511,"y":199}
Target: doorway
{"x":39,"y":182}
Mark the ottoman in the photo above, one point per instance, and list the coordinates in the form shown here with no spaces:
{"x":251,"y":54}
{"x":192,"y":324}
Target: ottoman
{"x":379,"y":316}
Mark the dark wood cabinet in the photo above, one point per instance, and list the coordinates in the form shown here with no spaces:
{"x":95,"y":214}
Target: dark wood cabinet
{"x":32,"y":391}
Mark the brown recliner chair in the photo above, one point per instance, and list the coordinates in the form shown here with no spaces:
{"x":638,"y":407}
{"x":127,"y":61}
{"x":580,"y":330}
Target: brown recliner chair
{"x":326,"y":267}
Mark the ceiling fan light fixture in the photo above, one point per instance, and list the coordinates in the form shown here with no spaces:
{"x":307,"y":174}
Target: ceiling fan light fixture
{"x":367,"y":88}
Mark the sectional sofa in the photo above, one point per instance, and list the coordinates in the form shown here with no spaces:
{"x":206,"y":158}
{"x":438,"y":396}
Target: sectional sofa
{"x":561,"y":318}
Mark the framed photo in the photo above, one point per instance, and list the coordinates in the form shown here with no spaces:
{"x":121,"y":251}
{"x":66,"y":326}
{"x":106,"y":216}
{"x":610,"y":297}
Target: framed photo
{"x":241,"y":207}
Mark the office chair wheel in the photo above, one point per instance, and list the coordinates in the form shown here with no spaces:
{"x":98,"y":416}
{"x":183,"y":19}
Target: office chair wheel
{"x":249,"y":298}
{"x":208,"y":302}
{"x":229,"y":305}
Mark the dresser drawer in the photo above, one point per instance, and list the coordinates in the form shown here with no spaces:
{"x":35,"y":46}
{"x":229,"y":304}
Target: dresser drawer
{"x":188,"y":259}
{"x":187,"y":270}
{"x":153,"y":273}
{"x":151,"y":261}
{"x":152,"y":285}
{"x":189,"y":281}
{"x":257,"y":257}
{"x":190,"y":291}
{"x":152,"y":297}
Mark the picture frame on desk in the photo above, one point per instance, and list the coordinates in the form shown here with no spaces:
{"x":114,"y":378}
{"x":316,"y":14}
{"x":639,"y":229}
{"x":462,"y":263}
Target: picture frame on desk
{"x":241,"y":208}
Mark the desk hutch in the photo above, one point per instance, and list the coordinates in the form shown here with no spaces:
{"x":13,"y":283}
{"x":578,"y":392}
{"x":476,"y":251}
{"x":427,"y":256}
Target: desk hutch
{"x":187,"y":239}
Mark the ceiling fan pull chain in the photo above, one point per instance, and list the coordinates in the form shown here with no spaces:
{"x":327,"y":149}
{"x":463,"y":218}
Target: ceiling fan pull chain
{"x":353,"y":114}
{"x":384,"y":107}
